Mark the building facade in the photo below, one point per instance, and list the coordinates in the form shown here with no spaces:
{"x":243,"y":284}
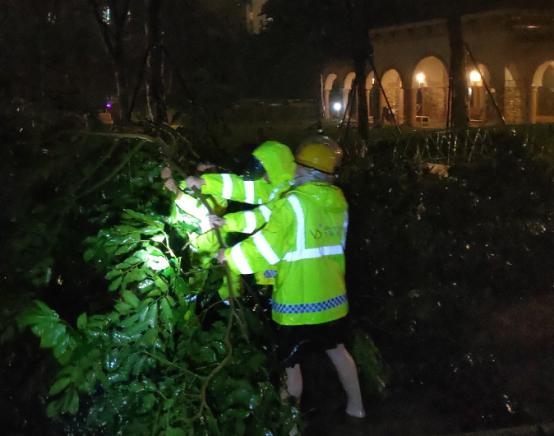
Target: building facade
{"x":509,"y":71}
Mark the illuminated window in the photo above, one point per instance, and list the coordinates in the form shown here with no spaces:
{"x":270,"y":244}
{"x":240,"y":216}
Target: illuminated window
{"x":51,"y":17}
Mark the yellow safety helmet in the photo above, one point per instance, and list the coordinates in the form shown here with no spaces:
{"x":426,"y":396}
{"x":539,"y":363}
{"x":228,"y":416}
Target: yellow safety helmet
{"x":319,"y":152}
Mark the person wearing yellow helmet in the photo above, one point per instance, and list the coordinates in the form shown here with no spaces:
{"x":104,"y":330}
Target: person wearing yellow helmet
{"x":304,"y":242}
{"x":319,"y":152}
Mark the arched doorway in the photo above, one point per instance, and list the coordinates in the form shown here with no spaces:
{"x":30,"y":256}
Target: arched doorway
{"x":347,"y":93}
{"x":542,"y":94}
{"x":479,"y":107}
{"x":392,"y":86}
{"x":430,"y":93}
{"x":372,"y":97}
{"x":328,"y":94}
{"x":513,"y":99}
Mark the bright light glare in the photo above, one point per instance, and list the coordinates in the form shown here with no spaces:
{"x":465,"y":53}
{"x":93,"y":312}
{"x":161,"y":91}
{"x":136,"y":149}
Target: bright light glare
{"x":337,"y":106}
{"x":420,"y":77}
{"x":475,"y":76}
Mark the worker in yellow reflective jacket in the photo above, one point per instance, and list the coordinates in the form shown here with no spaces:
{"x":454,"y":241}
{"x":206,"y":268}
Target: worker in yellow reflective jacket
{"x":304,"y":241}
{"x":272,"y":178}
{"x":277,"y":161}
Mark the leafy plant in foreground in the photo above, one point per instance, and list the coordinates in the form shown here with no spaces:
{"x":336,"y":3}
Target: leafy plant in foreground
{"x":153,"y":365}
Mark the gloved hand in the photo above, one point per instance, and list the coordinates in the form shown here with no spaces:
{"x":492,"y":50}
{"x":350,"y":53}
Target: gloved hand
{"x":194,"y":182}
{"x":169,"y":183}
{"x":221,"y":256}
{"x":166,"y":173}
{"x":203,"y":167}
{"x":216,"y":221}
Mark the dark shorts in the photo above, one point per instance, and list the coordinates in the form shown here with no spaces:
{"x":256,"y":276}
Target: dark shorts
{"x":294,"y":342}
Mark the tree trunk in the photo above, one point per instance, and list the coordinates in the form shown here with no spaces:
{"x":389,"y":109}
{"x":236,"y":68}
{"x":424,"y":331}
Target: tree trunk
{"x":458,"y":86}
{"x":359,"y":11}
{"x":122,"y":89}
{"x":155,"y":93}
{"x":112,"y":35}
{"x":361,"y":72}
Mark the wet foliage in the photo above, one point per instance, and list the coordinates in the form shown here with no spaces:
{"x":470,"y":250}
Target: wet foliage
{"x":449,"y":269}
{"x":444,"y":242}
{"x":137,"y":339}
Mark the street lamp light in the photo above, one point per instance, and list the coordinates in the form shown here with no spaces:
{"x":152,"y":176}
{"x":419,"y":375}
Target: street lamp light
{"x":475,"y":77}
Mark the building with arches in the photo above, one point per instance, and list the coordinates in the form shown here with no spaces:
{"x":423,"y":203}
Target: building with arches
{"x":509,"y":71}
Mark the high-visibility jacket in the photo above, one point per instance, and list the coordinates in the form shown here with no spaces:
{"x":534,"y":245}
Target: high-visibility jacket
{"x":304,"y":241}
{"x":278,"y":162}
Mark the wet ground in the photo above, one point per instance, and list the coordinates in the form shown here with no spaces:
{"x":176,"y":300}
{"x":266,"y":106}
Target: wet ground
{"x":402,"y":413}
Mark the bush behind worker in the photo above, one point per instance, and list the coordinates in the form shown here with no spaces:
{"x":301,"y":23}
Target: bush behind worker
{"x":304,"y":241}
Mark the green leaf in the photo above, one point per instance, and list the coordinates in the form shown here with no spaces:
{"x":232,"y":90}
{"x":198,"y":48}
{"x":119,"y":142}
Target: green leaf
{"x":151,"y":230}
{"x":49,"y":334}
{"x":82,"y":321}
{"x":166,"y":314}
{"x":113,"y":274}
{"x":157,"y":262}
{"x":130,"y":298}
{"x":125,"y":248}
{"x":59,"y":386}
{"x":131,"y":320}
{"x":146,"y":285}
{"x":154,"y":293}
{"x":70,"y":402}
{"x":40,"y":313}
{"x":150,"y":337}
{"x":122,"y":308}
{"x":160,"y":237}
{"x":152,"y":316}
{"x":115,"y":284}
{"x":89,"y":254}
{"x":136,"y":275}
{"x":161,"y":284}
{"x":181,"y":286}
{"x":64,"y":348}
{"x":53,"y":409}
{"x":124,"y":229}
{"x":173,"y":431}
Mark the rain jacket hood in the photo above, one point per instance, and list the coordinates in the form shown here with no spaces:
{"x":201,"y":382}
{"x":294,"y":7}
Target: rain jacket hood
{"x":277,"y":160}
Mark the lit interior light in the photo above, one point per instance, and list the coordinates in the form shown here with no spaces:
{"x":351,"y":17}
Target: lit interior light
{"x":475,"y":76}
{"x":337,"y":106}
{"x":109,"y":105}
{"x":420,"y":77}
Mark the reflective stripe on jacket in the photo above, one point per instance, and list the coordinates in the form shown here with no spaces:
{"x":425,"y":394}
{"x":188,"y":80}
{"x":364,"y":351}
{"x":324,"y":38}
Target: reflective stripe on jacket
{"x":233,"y":187}
{"x":247,"y":221}
{"x":278,"y":162}
{"x":304,"y":241}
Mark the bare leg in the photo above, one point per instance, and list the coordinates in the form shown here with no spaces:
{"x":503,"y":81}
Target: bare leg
{"x":348,"y":375}
{"x":294,"y":381}
{"x":293,"y":389}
